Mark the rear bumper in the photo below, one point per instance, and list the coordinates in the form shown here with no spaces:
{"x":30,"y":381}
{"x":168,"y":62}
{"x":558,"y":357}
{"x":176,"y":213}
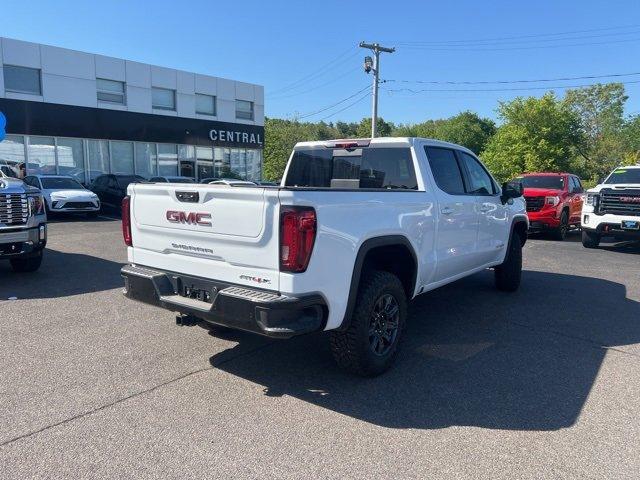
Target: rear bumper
{"x":235,"y":306}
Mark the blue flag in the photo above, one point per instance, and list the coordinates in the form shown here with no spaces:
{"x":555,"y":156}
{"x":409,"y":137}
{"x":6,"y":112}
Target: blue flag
{"x":3,"y":123}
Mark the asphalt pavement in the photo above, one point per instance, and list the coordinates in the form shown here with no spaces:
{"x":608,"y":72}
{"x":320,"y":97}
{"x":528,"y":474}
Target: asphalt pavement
{"x":542,"y":383}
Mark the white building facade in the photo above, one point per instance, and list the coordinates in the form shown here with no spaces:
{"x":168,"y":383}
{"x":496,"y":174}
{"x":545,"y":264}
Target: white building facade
{"x":80,"y":114}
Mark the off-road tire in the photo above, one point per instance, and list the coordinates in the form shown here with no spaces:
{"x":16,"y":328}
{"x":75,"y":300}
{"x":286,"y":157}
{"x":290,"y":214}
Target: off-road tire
{"x":590,"y":239}
{"x":351,"y":348}
{"x":508,"y":274}
{"x":560,"y":232}
{"x":29,"y":264}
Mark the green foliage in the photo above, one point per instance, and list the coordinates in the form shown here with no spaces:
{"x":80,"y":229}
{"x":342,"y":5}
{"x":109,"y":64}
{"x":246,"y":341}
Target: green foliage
{"x":584,"y":133}
{"x":600,"y":110}
{"x":537,"y":134}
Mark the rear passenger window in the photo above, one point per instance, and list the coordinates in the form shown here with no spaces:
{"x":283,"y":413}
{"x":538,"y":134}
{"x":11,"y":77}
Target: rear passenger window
{"x":479,"y":180}
{"x":360,"y":168}
{"x":445,"y":169}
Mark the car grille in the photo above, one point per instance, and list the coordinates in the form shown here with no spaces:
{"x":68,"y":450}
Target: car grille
{"x":620,"y":202}
{"x":534,"y":204}
{"x":14,"y":209}
{"x":79,"y":205}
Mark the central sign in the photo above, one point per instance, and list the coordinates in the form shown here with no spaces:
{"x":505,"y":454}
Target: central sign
{"x":234,"y":136}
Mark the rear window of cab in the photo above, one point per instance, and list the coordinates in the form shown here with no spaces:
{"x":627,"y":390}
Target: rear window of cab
{"x":377,"y":168}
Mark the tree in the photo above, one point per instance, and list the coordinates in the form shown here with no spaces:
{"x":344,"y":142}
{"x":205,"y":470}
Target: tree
{"x":466,"y":129}
{"x":364,"y":128}
{"x":537,"y":134}
{"x":631,"y":136}
{"x":600,"y":109}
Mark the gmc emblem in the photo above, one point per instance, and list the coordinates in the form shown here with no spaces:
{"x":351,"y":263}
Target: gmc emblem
{"x":191,"y":218}
{"x":630,"y":199}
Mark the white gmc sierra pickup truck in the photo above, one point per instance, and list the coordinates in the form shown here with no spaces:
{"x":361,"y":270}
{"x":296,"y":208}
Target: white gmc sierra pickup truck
{"x":613,"y":208}
{"x":356,"y":228}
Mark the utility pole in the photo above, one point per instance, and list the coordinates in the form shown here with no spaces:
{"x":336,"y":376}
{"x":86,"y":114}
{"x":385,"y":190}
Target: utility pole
{"x":376,"y":49}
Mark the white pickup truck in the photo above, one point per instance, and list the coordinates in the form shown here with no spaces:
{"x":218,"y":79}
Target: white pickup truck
{"x":356,"y":228}
{"x":613,"y":208}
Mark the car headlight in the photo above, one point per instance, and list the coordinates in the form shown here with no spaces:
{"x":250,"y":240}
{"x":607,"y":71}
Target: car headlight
{"x":553,"y":201}
{"x":592,"y":199}
{"x":36,"y":204}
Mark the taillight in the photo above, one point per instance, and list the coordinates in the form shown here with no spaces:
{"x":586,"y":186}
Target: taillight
{"x":126,"y":221}
{"x":297,"y":235}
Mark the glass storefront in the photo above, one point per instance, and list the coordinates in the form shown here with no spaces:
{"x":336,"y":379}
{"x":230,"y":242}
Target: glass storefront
{"x":86,"y":159}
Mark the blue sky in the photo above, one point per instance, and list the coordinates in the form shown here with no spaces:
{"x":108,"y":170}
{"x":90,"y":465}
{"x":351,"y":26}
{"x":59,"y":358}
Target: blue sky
{"x":305,"y":54}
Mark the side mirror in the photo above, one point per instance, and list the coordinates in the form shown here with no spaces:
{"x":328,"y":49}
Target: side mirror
{"x":511,"y":190}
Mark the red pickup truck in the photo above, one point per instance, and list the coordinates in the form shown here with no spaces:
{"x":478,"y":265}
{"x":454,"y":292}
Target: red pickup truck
{"x":554,"y":202}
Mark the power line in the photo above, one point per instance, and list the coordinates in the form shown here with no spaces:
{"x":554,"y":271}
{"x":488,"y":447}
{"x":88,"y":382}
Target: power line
{"x":488,"y":82}
{"x":339,"y":59}
{"x":517,"y":37}
{"x":333,"y":104}
{"x":345,"y":108}
{"x":465,"y":48}
{"x":333,"y":80}
{"x":498,"y":89}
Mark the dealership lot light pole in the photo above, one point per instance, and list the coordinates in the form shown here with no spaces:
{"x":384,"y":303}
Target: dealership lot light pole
{"x":374,"y":65}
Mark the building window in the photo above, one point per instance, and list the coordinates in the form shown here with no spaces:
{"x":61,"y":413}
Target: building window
{"x":42,"y":155}
{"x":122,"y":157}
{"x":167,"y":160}
{"x":71,"y":158}
{"x":244,"y":109}
{"x":98,"y":153}
{"x":205,"y":104}
{"x":146,"y":165}
{"x":163,"y":98}
{"x":12,"y":161}
{"x":22,"y":80}
{"x":110,"y":91}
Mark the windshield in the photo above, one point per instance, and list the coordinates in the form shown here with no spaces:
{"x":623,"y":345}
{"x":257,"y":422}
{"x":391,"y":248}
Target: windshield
{"x":542,"y":181}
{"x":624,"y":175}
{"x":181,"y":180}
{"x":60,"y":184}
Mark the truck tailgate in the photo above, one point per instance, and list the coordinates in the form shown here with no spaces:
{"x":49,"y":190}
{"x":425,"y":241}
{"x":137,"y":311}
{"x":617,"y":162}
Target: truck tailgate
{"x":217,"y":232}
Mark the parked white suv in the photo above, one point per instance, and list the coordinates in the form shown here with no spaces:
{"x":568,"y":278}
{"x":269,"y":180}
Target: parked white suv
{"x":613,"y":208}
{"x":356,"y":228}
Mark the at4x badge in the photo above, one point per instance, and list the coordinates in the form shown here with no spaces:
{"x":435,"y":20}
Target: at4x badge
{"x":254,"y":279}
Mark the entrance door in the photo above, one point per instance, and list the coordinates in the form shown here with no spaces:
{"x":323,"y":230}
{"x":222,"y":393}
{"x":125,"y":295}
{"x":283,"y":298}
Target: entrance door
{"x":187,"y":168}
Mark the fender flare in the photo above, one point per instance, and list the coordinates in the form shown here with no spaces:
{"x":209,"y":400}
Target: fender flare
{"x":365,"y":248}
{"x":517,"y":220}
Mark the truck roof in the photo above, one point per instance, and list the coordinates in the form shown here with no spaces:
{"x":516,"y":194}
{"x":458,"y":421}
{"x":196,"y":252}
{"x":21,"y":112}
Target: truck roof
{"x":383,"y":141}
{"x":550,"y":174}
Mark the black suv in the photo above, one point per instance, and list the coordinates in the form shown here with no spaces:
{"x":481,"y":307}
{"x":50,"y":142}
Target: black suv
{"x":112,"y":188}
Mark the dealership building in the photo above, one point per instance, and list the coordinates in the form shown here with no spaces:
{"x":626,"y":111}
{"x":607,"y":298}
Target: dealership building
{"x":80,"y":114}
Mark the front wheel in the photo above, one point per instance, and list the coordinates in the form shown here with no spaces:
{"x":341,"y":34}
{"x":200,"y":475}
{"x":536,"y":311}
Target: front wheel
{"x":590,"y":239}
{"x":509,"y":273}
{"x":29,"y":264}
{"x":560,"y":232}
{"x":370,"y":345}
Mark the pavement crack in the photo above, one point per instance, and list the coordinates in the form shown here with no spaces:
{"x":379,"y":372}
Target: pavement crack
{"x":134,"y":395}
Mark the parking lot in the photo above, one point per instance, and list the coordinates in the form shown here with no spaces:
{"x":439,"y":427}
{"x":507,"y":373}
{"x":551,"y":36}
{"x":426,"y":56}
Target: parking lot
{"x":542,"y":383}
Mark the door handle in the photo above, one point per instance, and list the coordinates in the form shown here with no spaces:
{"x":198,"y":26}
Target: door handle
{"x":446,"y":210}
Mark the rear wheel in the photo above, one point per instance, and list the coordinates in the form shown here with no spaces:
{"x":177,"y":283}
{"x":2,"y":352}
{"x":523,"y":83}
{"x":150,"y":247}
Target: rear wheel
{"x":560,"y":232}
{"x":509,"y":273}
{"x":370,"y":345}
{"x":590,"y":239}
{"x":29,"y":264}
